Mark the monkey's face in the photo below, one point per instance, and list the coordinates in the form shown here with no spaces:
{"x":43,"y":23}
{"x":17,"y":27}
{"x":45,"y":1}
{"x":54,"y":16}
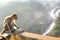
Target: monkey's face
{"x":15,"y":17}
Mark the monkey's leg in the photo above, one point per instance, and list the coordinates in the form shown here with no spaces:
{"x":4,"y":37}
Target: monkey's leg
{"x":3,"y":31}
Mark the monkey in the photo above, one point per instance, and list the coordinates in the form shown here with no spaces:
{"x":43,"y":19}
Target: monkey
{"x":9,"y":23}
{"x":5,"y":38}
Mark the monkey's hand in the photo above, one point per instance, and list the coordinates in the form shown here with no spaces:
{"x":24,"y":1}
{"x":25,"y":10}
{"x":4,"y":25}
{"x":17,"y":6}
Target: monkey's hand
{"x":18,"y":27}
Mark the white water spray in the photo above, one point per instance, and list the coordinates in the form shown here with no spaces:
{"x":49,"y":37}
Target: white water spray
{"x":54,"y":16}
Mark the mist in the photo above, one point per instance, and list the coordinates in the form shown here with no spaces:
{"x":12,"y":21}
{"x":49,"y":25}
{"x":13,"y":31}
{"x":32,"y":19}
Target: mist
{"x":33,"y":15}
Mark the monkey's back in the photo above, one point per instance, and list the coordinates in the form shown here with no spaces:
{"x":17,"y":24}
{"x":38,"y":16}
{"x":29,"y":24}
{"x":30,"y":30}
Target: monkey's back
{"x":6,"y":19}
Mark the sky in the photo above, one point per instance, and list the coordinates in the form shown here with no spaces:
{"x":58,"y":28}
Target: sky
{"x":6,"y":1}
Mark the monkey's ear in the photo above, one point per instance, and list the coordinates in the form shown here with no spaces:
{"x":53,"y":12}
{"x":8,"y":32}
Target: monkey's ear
{"x":14,"y":15}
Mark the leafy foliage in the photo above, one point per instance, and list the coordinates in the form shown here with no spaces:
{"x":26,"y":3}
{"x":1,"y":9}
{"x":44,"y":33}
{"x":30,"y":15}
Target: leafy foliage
{"x":56,"y":30}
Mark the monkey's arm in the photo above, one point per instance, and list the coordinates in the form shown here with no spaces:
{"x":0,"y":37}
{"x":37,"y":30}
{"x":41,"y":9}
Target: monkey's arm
{"x":14,"y":23}
{"x":16,"y":26}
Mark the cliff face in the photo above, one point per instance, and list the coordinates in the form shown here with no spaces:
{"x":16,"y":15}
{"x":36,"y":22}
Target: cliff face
{"x":32,"y":16}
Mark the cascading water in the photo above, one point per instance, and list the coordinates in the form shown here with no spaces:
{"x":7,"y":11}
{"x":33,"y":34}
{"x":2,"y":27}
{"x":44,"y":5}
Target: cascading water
{"x":53,"y":16}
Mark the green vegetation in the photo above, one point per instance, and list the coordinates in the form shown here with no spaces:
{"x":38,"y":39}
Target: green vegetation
{"x":56,"y":30}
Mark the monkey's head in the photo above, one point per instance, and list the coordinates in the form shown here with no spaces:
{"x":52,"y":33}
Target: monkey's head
{"x":14,"y":16}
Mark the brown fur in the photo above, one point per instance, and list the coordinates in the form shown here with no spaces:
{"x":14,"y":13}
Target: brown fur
{"x":9,"y":23}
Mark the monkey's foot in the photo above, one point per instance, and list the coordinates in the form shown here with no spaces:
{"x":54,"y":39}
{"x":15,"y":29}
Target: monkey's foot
{"x":4,"y":34}
{"x":20,"y":30}
{"x":17,"y":31}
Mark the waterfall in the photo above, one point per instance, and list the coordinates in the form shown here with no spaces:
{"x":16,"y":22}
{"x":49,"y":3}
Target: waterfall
{"x":53,"y":16}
